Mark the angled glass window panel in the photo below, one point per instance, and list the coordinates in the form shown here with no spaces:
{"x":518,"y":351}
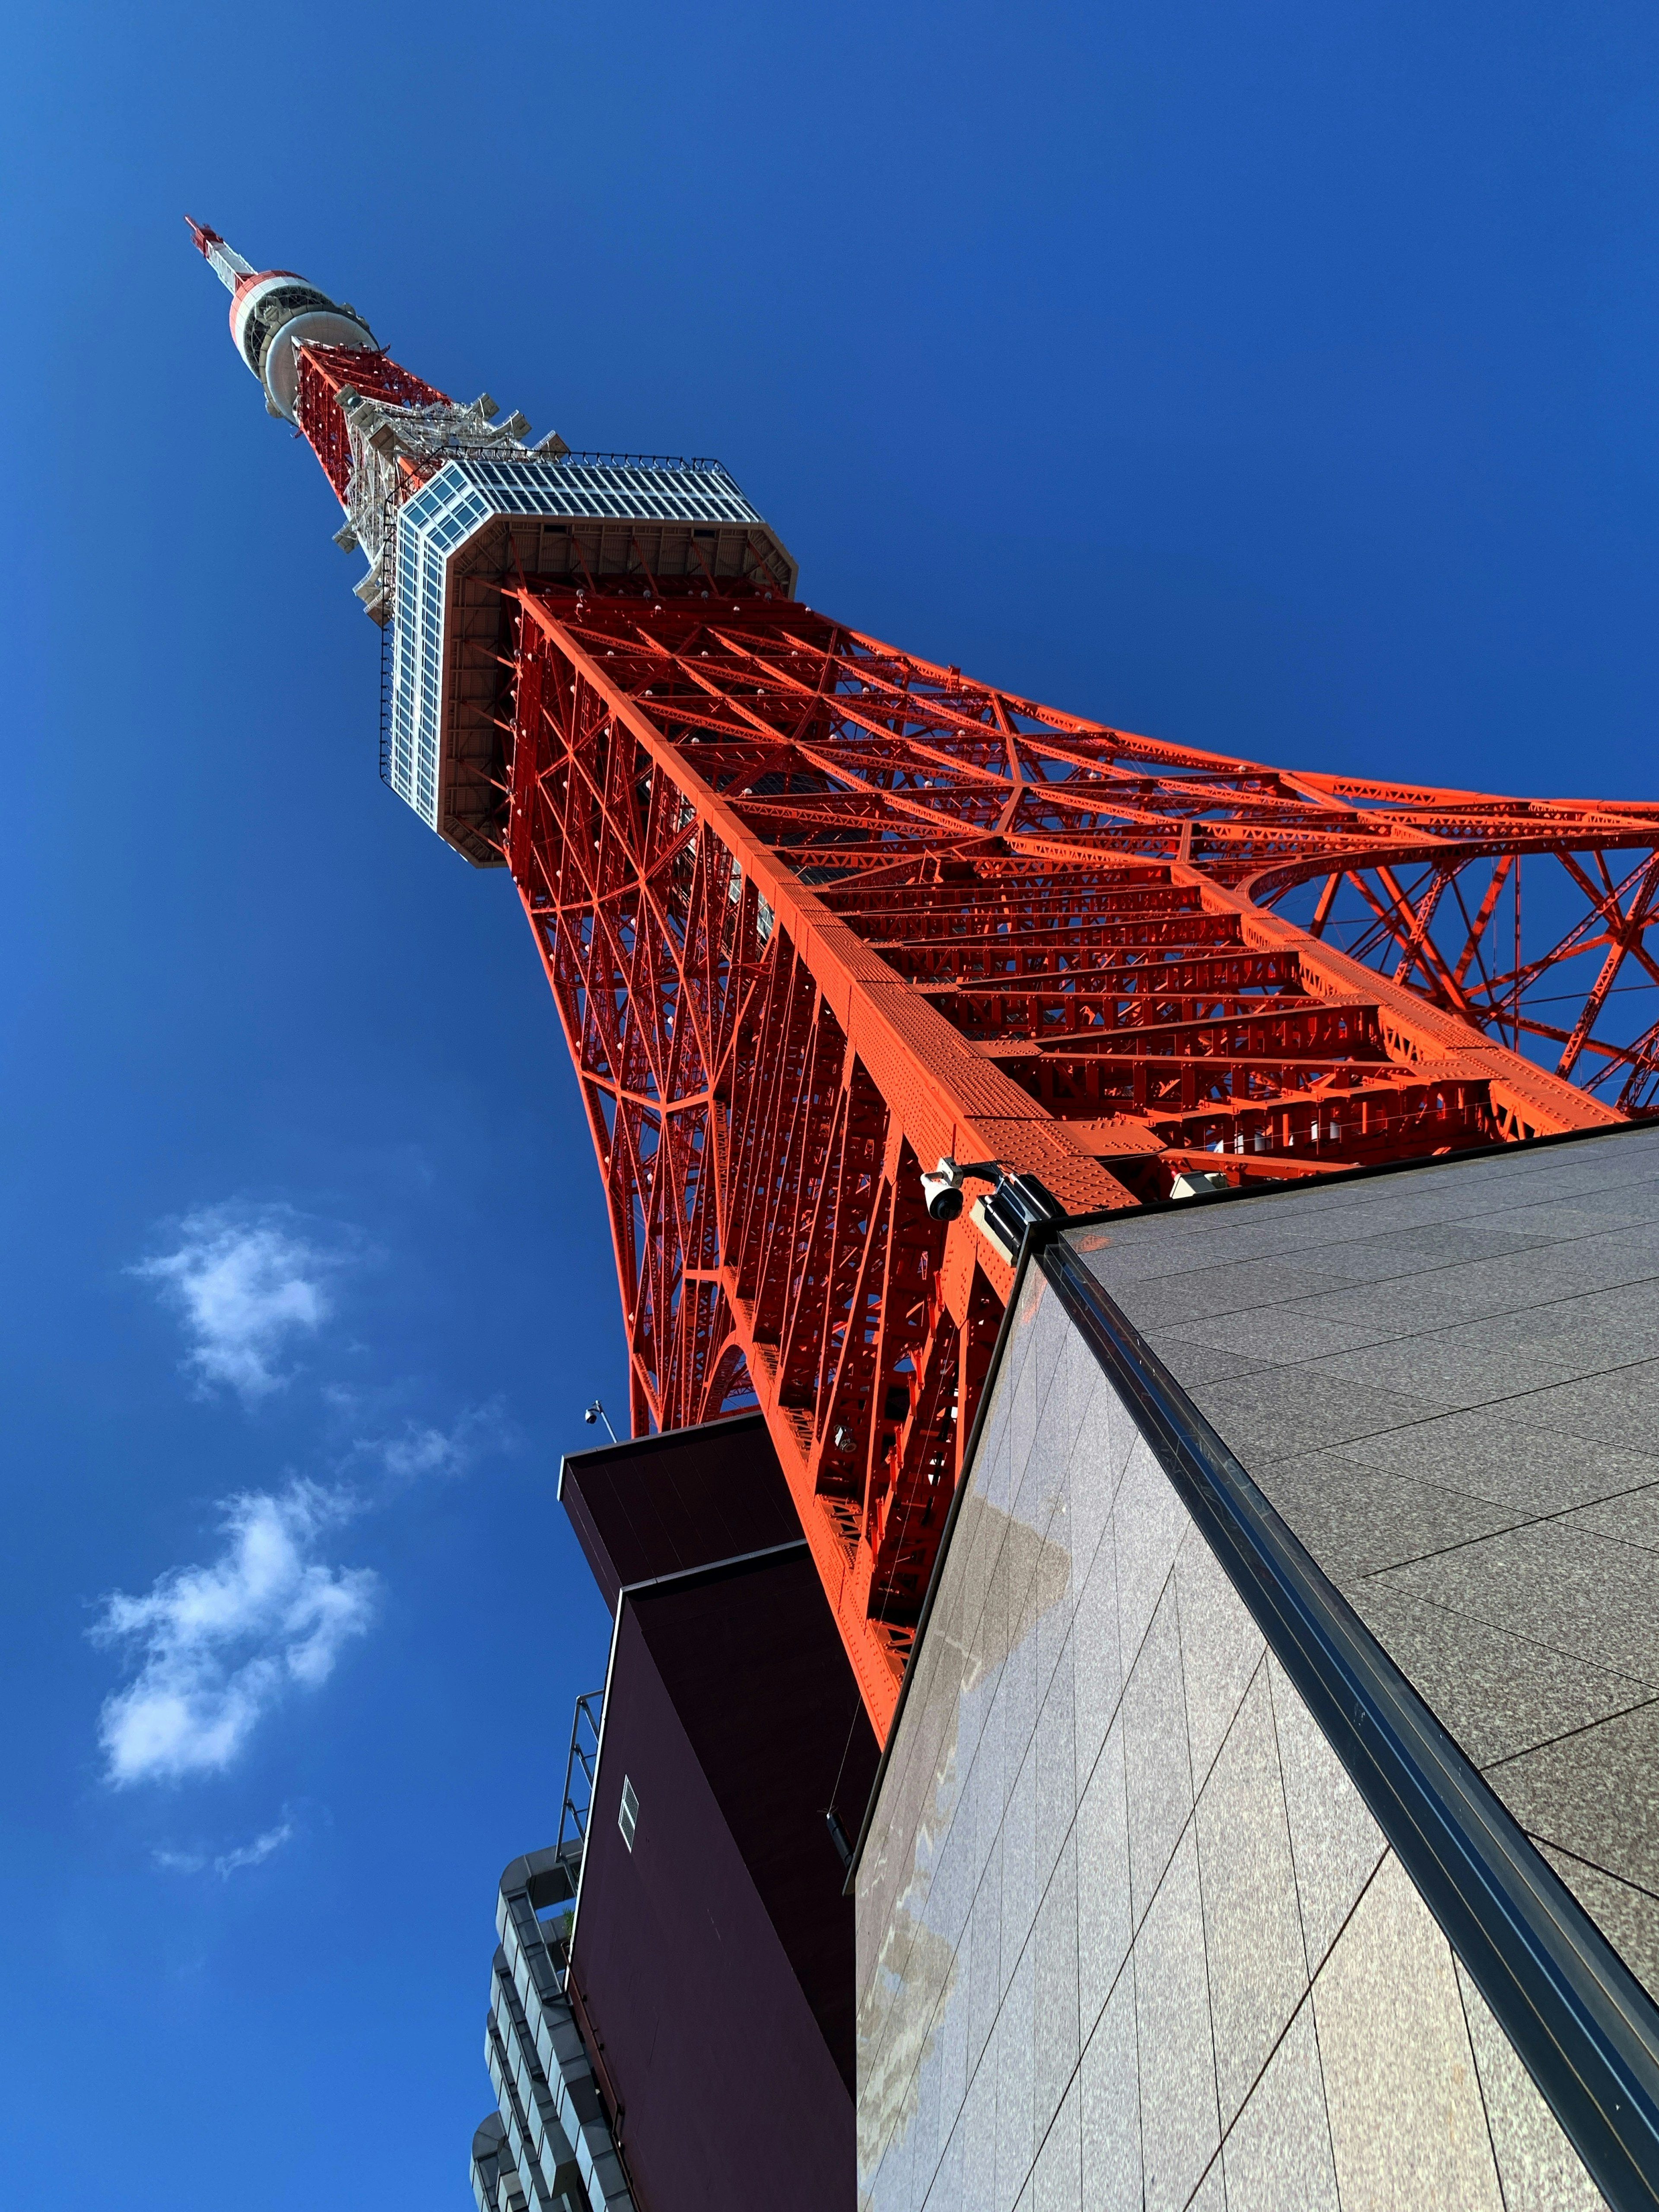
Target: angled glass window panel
{"x":627,"y":1812}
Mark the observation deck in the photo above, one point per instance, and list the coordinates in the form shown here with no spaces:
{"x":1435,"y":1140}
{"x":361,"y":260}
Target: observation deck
{"x":619,"y":520}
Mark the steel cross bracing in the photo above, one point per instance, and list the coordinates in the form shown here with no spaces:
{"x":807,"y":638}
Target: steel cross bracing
{"x":815,"y":912}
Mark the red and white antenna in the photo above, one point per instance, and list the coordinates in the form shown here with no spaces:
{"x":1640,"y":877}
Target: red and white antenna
{"x":274,"y":310}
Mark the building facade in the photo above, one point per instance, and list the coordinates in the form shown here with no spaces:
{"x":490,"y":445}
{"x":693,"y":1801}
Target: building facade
{"x":1269,"y":1818}
{"x":671,"y":2022}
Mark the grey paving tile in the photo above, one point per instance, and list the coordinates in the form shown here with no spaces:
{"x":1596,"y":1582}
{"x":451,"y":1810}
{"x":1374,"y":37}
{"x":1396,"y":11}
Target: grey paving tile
{"x":1540,"y":2170}
{"x":1179,"y":2129}
{"x":1105,"y":1438}
{"x":1592,"y":1598}
{"x":1057,"y":2179}
{"x":983,"y":1945}
{"x":1376,"y":1310}
{"x":1155,"y":1762}
{"x":1450,"y":1296}
{"x":1450,"y":1369}
{"x":1204,"y":1292}
{"x":1077,"y":1373}
{"x":1278,"y":2155}
{"x":983,"y":1797}
{"x":979,"y":2159}
{"x":1051,"y":1331}
{"x":950,"y":2034}
{"x":1103,"y":1881}
{"x":1016,"y":1695}
{"x":1038,"y":1493}
{"x":1191,"y":1363}
{"x":1334,"y":1841}
{"x":1109,"y":2090}
{"x":1602,"y":1330}
{"x":1275,"y":1414}
{"x":1148,"y":1522}
{"x":1356,"y":1519}
{"x":1097,"y":1659}
{"x":1220,"y":1648}
{"x":1504,"y":1454}
{"x":1015,"y":2059}
{"x":945,"y":2191}
{"x":1621,"y":1409}
{"x":1275,"y":1335}
{"x":924,"y":2128}
{"x":1252,"y":1923}
{"x":1632,"y":1519}
{"x":1628,"y":1917}
{"x":1447,"y":1243}
{"x":1054,"y":1998}
{"x":1496,"y":1694}
{"x":1056,"y":1769}
{"x":1019,"y":1883}
{"x":1595,"y":1794}
{"x":1408,"y":2125}
{"x":1210,"y":2194}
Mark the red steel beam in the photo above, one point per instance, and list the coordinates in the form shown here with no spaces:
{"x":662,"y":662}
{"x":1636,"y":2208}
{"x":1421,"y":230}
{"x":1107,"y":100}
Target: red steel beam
{"x":815,"y":912}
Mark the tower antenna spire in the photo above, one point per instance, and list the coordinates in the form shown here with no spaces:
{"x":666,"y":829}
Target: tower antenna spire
{"x":226,"y":263}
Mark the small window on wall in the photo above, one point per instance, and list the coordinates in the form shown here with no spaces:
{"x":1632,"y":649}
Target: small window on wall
{"x":627,"y":1812}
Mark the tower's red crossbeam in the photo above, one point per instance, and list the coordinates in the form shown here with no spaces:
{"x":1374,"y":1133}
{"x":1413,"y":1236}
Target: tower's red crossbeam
{"x":816,"y":912}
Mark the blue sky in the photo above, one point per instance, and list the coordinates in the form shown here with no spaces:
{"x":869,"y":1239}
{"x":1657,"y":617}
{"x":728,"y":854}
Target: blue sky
{"x":1274,"y":377}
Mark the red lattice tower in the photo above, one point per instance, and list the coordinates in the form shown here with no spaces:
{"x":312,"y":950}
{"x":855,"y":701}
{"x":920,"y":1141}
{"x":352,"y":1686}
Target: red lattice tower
{"x":815,"y":912}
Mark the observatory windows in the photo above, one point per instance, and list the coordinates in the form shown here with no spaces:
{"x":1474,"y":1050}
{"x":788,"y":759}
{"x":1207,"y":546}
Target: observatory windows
{"x":627,"y":1812}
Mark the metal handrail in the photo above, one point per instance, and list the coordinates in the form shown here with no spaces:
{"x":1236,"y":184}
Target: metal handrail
{"x":579,"y":1775}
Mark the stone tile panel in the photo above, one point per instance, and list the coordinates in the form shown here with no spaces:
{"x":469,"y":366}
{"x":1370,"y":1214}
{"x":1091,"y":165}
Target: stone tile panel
{"x":1334,"y":1841}
{"x":1595,"y":1794}
{"x":1496,"y":1693}
{"x":1179,"y":2122}
{"x":1252,"y":1922}
{"x":1277,"y":2156}
{"x":1540,"y":2170}
{"x":1156,"y":1767}
{"x":1408,"y":2127}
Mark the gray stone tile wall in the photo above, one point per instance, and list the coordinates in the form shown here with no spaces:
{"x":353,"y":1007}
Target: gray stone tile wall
{"x":1448,"y":1382}
{"x":1127,"y":1936}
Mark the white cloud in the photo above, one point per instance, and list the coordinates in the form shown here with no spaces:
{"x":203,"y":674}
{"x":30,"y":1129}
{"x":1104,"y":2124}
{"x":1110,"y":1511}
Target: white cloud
{"x":180,"y":1861}
{"x":253,"y":1854}
{"x":227,"y":1863}
{"x":246,"y":1281}
{"x":222,"y":1645}
{"x":419,"y":1448}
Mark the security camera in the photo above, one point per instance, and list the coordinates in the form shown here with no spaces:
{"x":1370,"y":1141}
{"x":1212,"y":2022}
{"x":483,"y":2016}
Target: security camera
{"x":596,"y":1412}
{"x":943,"y":1193}
{"x":943,"y":1188}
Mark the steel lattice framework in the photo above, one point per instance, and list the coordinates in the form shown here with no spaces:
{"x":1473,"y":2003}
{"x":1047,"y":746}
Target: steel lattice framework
{"x":815,"y":912}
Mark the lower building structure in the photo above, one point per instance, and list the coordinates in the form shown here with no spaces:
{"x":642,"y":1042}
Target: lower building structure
{"x":672,"y":2022}
{"x":1269,"y":1820}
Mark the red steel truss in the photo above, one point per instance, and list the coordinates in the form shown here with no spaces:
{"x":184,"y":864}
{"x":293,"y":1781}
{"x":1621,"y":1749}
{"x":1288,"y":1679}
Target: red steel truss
{"x":815,"y":912}
{"x":326,"y":371}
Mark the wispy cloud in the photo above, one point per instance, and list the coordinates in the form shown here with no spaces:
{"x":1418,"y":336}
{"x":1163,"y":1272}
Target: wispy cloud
{"x":220,"y":1645}
{"x":421,"y":1449}
{"x":225,"y":1863}
{"x":247,"y":1280}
